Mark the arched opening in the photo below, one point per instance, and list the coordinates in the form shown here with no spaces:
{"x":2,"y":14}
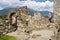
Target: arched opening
{"x":11,"y":17}
{"x":13,"y":20}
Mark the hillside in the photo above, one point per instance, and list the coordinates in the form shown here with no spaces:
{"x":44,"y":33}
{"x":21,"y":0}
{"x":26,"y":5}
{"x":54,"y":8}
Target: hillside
{"x":31,"y":11}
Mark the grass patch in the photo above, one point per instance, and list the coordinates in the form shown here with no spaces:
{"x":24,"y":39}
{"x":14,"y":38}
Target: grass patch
{"x":7,"y":37}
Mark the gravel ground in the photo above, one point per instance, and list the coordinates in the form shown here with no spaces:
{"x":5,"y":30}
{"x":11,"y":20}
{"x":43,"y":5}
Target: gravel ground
{"x":35,"y":35}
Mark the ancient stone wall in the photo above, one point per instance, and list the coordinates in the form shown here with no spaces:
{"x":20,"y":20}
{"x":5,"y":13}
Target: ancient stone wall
{"x":24,"y":20}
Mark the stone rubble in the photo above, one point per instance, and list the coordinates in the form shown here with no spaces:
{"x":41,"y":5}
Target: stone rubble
{"x":37,"y":27}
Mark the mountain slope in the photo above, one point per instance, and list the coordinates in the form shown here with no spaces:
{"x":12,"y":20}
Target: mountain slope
{"x":6,"y":11}
{"x":31,"y":11}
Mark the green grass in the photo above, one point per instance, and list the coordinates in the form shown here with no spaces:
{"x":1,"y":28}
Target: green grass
{"x":6,"y":37}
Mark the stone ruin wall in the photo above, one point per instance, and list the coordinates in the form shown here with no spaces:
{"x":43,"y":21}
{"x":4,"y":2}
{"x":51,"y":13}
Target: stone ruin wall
{"x":24,"y":22}
{"x":21,"y":21}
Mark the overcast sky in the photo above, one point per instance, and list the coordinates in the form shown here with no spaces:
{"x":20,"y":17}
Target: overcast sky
{"x":39,"y":5}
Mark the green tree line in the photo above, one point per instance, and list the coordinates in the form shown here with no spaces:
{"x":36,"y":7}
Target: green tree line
{"x":2,"y":16}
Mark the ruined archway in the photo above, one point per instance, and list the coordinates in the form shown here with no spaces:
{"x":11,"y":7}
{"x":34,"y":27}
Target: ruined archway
{"x":10,"y":15}
{"x":12,"y":18}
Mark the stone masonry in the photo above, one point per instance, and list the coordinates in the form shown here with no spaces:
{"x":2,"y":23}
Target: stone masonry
{"x":36,"y":27}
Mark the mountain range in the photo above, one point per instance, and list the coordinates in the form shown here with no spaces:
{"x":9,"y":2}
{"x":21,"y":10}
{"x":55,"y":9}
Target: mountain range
{"x":31,"y":11}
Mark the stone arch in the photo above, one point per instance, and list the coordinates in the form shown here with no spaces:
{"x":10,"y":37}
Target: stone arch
{"x":11,"y":13}
{"x":12,"y":18}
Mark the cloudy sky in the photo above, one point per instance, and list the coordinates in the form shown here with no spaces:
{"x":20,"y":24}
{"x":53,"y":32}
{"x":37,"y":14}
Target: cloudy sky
{"x":39,"y":5}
